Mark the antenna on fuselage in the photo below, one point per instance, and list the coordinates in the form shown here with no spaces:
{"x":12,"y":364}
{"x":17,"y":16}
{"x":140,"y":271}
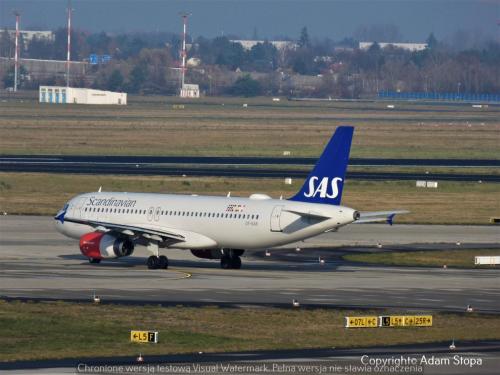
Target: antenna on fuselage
{"x":228,"y":194}
{"x":100,"y":188}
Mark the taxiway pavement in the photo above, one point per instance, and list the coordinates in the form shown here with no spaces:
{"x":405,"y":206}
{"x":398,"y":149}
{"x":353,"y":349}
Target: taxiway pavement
{"x":436,"y":358}
{"x":37,"y":262}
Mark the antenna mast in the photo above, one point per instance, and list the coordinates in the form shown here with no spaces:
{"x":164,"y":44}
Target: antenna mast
{"x":68,"y":56}
{"x":184,"y":16}
{"x":16,"y":52}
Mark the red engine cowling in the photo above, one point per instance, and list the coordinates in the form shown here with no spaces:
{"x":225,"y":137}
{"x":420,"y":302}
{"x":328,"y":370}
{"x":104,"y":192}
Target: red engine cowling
{"x":98,"y":245}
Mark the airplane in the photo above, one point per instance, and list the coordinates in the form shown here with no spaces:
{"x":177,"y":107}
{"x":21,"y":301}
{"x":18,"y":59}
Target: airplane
{"x":110,"y":224}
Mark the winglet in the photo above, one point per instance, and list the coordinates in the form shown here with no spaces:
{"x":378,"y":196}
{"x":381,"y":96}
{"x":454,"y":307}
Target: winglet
{"x":390,"y":219}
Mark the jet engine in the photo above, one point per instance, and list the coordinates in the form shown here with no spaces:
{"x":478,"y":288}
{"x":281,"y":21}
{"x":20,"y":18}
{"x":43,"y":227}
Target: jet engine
{"x":98,"y":245}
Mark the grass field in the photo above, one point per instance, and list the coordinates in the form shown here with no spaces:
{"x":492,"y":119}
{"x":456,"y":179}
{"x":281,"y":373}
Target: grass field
{"x":63,"y":330}
{"x":221,"y":126}
{"x":438,"y":258}
{"x":451,"y":203}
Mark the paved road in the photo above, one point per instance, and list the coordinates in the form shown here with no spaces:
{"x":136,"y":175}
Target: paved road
{"x":37,"y":262}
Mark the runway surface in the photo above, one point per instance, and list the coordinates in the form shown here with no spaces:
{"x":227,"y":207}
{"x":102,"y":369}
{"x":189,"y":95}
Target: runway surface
{"x":38,"y":262}
{"x":229,"y":160}
{"x":230,"y":167}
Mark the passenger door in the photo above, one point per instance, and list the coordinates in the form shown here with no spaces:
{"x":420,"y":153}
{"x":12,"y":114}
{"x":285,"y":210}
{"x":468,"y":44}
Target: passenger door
{"x":275,"y":219}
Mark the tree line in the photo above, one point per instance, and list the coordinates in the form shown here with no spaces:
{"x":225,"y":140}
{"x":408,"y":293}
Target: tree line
{"x":150,"y":63}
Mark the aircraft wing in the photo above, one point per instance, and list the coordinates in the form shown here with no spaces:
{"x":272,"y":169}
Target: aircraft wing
{"x":379,"y":216}
{"x":131,"y":230}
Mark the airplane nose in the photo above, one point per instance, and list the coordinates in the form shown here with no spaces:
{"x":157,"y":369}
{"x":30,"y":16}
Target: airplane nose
{"x":59,"y":227}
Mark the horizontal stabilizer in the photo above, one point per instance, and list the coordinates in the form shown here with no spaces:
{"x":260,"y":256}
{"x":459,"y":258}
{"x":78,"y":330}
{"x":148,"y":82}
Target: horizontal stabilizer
{"x":379,"y":216}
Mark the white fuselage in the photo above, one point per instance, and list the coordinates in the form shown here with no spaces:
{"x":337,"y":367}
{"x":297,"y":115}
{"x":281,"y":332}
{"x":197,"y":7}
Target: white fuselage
{"x":207,"y":222}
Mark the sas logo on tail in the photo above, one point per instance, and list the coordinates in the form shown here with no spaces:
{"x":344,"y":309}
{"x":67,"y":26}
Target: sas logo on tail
{"x":323,"y":187}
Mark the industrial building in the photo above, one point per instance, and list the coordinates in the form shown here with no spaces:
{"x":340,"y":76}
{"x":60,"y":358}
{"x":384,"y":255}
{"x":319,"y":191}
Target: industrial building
{"x":280,"y":45}
{"x":73,"y":95}
{"x":29,"y":35}
{"x":413,"y":47}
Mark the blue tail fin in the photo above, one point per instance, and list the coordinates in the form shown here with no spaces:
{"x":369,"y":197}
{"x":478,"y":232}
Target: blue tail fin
{"x":326,"y":181}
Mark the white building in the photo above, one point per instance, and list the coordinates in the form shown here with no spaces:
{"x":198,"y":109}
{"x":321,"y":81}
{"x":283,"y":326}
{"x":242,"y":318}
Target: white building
{"x":73,"y":95}
{"x":190,"y":91}
{"x":280,"y":45}
{"x":29,"y":35}
{"x":413,"y":47}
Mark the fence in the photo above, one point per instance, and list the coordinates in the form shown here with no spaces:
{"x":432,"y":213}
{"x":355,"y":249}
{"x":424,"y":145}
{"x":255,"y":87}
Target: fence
{"x":449,"y":96}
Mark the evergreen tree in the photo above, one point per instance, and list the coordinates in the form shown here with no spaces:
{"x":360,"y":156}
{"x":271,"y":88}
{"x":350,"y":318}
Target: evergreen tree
{"x":115,"y":80}
{"x":304,"y":38}
{"x":246,"y":86}
{"x":431,"y":41}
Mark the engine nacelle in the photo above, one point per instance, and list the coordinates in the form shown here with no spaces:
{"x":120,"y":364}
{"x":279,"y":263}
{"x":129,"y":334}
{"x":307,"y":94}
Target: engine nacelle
{"x":102,"y":245}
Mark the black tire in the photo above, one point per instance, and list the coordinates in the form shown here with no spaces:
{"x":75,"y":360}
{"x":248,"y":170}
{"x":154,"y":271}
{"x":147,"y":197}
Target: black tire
{"x":225,"y":263}
{"x":153,"y":262}
{"x":94,"y":260}
{"x":236,"y":263}
{"x":163,"y":262}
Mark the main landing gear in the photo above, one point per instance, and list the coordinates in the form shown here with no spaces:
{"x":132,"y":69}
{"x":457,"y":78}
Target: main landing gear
{"x":230,"y":262}
{"x":154,"y":262}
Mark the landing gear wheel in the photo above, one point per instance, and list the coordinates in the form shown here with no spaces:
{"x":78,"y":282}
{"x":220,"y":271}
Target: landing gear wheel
{"x":236,"y":263}
{"x":163,"y":262}
{"x":153,"y":262}
{"x":230,"y":263}
{"x":94,"y":260}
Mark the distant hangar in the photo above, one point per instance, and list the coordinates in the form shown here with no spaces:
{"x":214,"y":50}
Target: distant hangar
{"x":73,"y":95}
